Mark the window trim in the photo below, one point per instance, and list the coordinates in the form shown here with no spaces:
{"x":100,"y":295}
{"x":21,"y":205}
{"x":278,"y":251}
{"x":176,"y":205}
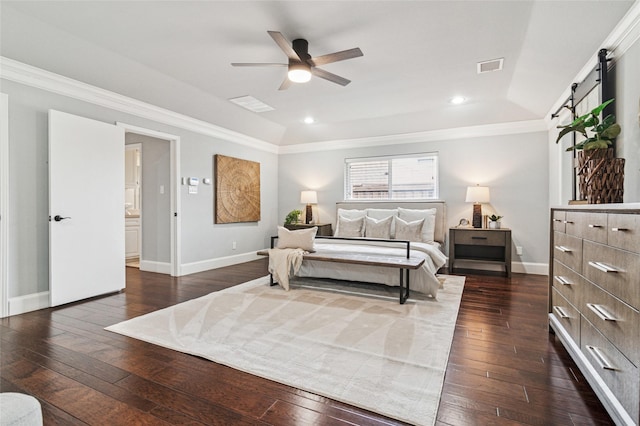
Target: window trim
{"x":434,"y":155}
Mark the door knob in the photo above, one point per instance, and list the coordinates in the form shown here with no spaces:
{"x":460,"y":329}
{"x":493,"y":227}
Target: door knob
{"x":58,"y":218}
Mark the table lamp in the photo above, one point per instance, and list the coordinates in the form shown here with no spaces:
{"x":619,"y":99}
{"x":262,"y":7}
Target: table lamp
{"x":308,"y":198}
{"x":477,"y":195}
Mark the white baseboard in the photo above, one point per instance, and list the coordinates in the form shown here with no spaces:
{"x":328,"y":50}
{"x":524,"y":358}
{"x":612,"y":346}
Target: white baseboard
{"x":30,"y":302}
{"x":205,"y":265}
{"x":159,"y":267}
{"x":530,"y":268}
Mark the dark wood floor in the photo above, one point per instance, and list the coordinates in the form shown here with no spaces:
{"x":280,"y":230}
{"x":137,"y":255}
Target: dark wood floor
{"x":504,"y":368}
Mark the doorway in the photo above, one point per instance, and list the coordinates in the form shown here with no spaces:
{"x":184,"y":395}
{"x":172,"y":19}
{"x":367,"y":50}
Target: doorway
{"x":132,"y":203}
{"x":4,"y":204}
{"x":159,"y":235}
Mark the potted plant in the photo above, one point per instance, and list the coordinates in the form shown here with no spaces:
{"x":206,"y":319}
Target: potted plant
{"x":602,"y":133}
{"x":292,"y":217}
{"x":494,"y":221}
{"x":600,"y":175}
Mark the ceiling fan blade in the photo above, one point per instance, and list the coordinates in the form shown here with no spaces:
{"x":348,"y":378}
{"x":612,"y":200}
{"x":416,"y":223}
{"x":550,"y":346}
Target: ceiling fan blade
{"x":285,"y":84}
{"x":329,"y":76}
{"x":284,"y":45}
{"x":337,"y":56}
{"x":256,"y":64}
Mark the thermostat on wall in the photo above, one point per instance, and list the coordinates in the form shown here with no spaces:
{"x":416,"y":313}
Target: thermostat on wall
{"x":192,"y":181}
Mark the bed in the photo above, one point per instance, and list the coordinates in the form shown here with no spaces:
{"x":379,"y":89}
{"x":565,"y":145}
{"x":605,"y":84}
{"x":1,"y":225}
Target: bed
{"x":423,"y":279}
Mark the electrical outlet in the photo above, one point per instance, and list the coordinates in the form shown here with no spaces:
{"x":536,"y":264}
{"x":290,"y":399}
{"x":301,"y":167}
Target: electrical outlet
{"x":519,"y":250}
{"x":233,"y":246}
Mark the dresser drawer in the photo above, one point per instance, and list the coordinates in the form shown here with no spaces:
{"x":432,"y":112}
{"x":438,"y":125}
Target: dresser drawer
{"x":481,"y":238}
{"x":567,"y":282}
{"x":624,"y":231}
{"x":619,"y":374}
{"x":567,"y":315}
{"x":573,"y":223}
{"x":614,"y":319}
{"x":591,"y":226}
{"x":568,"y":250}
{"x":558,"y":220}
{"x":616,"y":271}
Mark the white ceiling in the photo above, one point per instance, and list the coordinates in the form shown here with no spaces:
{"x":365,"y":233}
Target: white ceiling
{"x":417,"y":56}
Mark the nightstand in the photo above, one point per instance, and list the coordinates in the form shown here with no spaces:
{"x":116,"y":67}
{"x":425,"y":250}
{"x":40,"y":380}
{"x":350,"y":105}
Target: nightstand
{"x":480,"y":245}
{"x":324,"y":229}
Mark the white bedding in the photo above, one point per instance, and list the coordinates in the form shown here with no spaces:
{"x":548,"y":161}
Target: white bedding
{"x":422,"y":279}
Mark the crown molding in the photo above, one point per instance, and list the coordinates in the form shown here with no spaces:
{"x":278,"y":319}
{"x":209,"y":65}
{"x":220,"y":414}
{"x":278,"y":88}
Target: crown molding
{"x":623,"y":36}
{"x":511,"y":128}
{"x":41,"y":79}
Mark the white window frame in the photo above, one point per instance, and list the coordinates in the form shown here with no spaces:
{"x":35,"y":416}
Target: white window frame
{"x":347,"y":179}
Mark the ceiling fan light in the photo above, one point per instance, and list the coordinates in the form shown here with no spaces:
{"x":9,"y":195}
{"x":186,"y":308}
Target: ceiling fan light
{"x":299,"y":73}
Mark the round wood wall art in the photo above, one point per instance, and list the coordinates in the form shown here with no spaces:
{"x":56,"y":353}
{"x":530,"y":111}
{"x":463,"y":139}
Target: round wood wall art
{"x":237,"y":190}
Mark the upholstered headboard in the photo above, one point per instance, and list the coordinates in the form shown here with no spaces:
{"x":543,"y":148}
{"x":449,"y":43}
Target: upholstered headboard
{"x":440,"y":206}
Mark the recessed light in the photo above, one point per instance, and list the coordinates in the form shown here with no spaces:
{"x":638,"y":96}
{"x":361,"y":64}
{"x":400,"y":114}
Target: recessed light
{"x":309,"y":120}
{"x":457,"y":100}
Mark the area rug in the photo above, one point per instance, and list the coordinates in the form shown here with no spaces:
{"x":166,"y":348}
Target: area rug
{"x":349,"y":342}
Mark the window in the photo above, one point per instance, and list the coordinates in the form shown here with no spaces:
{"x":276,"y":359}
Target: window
{"x":404,"y":177}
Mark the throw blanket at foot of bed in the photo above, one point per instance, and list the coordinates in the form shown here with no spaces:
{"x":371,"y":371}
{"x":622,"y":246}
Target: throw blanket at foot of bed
{"x":284,"y":263}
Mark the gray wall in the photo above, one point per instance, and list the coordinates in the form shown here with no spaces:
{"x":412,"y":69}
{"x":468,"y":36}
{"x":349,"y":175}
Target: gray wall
{"x":513,"y":166}
{"x":201,"y":240}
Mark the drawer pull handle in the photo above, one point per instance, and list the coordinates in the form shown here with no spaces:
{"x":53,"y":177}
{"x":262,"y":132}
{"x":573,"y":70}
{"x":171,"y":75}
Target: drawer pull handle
{"x":562,"y":280}
{"x":601,"y":312}
{"x":557,"y":220}
{"x":600,"y":358}
{"x":619,"y":229}
{"x":561,"y":313}
{"x":478,"y":238}
{"x":568,"y":221}
{"x":564,"y":249}
{"x":594,"y":226}
{"x":602,"y":267}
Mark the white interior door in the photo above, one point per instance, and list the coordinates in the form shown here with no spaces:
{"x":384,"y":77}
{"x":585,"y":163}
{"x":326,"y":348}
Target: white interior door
{"x":86,"y":208}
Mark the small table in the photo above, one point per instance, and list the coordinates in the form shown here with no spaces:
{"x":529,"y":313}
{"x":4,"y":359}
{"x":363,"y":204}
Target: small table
{"x":480,"y":245}
{"x":324,"y":229}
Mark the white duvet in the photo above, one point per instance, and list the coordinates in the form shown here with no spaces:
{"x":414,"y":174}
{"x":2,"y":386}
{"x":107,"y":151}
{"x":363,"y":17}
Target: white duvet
{"x":422,"y":279}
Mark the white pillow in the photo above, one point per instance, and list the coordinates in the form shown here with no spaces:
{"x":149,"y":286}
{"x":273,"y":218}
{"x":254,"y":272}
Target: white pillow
{"x":411,"y":231}
{"x":429,"y":216}
{"x":349,"y":227}
{"x":349,"y":214}
{"x":299,"y":238}
{"x":378,"y":228}
{"x":383,"y":214}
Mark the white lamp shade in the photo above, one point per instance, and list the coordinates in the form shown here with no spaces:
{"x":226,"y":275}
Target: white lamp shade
{"x":477,"y":194}
{"x":309,"y":197}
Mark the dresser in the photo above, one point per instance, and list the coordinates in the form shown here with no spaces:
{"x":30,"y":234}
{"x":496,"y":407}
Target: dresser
{"x":594,"y":299}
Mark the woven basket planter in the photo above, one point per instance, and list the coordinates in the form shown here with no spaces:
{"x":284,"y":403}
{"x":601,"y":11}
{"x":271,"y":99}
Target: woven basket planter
{"x":601,"y":177}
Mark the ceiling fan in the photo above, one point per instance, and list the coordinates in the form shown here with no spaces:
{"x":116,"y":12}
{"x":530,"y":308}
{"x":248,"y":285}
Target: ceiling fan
{"x":301,"y":65}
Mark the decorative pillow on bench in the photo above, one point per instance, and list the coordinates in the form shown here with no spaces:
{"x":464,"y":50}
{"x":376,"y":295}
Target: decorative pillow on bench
{"x":299,"y":238}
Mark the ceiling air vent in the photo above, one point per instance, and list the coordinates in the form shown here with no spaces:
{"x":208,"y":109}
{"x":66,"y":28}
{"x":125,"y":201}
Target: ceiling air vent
{"x":252,"y":104}
{"x":492,"y":65}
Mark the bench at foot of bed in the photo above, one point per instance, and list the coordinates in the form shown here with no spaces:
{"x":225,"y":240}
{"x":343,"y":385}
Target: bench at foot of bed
{"x":404,"y":264}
